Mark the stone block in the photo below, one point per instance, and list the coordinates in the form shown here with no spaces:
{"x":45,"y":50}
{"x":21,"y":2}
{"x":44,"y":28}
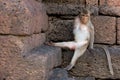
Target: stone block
{"x":94,"y":63}
{"x":118,"y":30}
{"x":39,"y":0}
{"x":92,"y":2}
{"x":110,"y":10}
{"x":44,"y":58}
{"x":67,"y":9}
{"x":60,"y":30}
{"x":110,"y":2}
{"x":58,"y":74}
{"x":105,"y":29}
{"x":62,"y":74}
{"x":21,"y":44}
{"x":85,"y":78}
{"x":63,"y":9}
{"x":33,"y":41}
{"x":23,"y":17}
{"x":65,"y":1}
{"x":35,"y":65}
{"x":94,"y":10}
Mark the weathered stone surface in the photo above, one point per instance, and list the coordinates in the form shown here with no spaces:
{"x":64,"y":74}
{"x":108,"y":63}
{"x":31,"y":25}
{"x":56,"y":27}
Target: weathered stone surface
{"x":92,"y":2}
{"x":105,"y":29}
{"x":12,"y":64}
{"x":58,"y":74}
{"x":21,"y":44}
{"x":118,"y":30}
{"x":48,"y":56}
{"x":22,"y":17}
{"x":85,"y":78}
{"x":94,"y":63}
{"x":65,"y":1}
{"x":62,"y":74}
{"x":110,"y":7}
{"x":39,"y":0}
{"x":10,"y":59}
{"x":110,"y":10}
{"x":67,"y":9}
{"x":110,"y":2}
{"x":94,"y":10}
{"x":33,"y":41}
{"x":63,"y":9}
{"x":44,"y":58}
{"x":32,"y":66}
{"x":60,"y":30}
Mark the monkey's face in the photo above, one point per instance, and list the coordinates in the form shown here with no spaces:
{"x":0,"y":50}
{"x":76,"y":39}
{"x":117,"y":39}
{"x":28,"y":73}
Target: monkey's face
{"x":84,"y":18}
{"x":84,"y":15}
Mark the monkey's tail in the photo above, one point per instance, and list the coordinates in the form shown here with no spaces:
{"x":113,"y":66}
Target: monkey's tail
{"x":109,"y":59}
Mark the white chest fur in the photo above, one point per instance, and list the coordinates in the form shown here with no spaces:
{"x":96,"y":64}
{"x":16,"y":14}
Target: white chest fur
{"x":81,"y":33}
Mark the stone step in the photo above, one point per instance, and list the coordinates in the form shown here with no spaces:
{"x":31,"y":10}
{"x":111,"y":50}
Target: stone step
{"x":20,"y":44}
{"x":62,"y":74}
{"x":33,"y":65}
{"x":42,"y":60}
{"x":94,"y":63}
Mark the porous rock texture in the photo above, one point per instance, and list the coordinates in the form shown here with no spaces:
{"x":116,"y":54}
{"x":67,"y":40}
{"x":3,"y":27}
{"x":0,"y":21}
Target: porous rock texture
{"x":62,"y":30}
{"x":22,"y":17}
{"x":23,"y":56}
{"x":94,"y":63}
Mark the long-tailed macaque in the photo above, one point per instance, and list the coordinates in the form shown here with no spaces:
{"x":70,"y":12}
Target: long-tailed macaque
{"x":84,"y":38}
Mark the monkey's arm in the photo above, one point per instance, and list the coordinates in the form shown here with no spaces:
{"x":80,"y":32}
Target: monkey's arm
{"x":91,"y":36}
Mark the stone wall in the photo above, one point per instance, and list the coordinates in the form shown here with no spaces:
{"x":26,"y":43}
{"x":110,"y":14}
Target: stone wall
{"x":23,"y":26}
{"x":20,"y":32}
{"x":105,"y":18}
{"x":26,"y":24}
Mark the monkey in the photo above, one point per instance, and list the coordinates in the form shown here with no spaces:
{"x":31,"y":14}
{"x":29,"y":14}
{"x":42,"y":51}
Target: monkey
{"x":81,"y":33}
{"x":83,"y":38}
{"x":91,"y":43}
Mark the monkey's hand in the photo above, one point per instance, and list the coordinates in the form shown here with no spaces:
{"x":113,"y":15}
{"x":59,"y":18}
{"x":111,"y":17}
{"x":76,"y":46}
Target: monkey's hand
{"x":72,"y":47}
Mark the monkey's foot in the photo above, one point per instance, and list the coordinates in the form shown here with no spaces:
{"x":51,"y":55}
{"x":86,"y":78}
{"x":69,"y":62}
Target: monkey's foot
{"x":69,"y":67}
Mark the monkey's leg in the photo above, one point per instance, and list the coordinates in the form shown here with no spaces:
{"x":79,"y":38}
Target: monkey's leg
{"x":78,"y":52}
{"x":71,"y":45}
